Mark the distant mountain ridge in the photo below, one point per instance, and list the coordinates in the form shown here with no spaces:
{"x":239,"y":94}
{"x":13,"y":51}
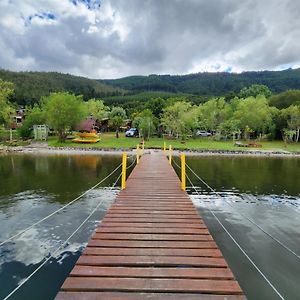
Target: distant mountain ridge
{"x":31,"y":86}
{"x":209,"y":84}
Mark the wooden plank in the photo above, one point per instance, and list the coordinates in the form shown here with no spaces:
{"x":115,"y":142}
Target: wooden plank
{"x":152,"y":237}
{"x":150,"y":285}
{"x":142,"y":272}
{"x":153,"y":230}
{"x":151,"y":244}
{"x":141,"y":296}
{"x":153,"y":252}
{"x":153,"y":220}
{"x":199,"y":225}
{"x":138,"y":260}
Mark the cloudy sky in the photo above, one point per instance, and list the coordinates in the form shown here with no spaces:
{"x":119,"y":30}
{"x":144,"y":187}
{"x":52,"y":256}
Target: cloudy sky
{"x":116,"y":38}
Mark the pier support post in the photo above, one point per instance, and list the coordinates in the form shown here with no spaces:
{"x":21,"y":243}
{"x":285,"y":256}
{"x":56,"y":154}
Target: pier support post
{"x":170,"y":154}
{"x":124,"y":162}
{"x":165,"y":147}
{"x":183,"y":180}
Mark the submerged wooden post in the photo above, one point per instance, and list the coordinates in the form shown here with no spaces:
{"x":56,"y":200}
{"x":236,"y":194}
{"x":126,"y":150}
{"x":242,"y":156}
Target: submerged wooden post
{"x":183,"y":181}
{"x":137,"y":154}
{"x":170,"y":154}
{"x":124,"y":162}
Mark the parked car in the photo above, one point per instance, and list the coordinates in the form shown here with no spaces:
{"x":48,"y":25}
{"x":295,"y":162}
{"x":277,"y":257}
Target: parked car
{"x":132,"y":132}
{"x":203,"y":133}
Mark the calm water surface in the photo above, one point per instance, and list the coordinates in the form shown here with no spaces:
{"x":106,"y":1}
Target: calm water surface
{"x":264,"y":189}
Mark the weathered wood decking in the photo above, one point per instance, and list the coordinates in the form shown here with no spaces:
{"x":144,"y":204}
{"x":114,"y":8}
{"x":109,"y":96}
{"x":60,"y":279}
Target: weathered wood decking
{"x":152,"y":244}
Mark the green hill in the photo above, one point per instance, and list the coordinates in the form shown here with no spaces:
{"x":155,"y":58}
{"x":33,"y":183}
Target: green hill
{"x":210,"y":83}
{"x":31,"y":86}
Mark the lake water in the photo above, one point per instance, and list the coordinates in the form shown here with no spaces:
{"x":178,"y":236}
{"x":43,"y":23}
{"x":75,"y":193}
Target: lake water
{"x":264,"y":189}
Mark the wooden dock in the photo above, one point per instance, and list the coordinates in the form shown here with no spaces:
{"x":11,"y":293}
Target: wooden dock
{"x":152,"y":244}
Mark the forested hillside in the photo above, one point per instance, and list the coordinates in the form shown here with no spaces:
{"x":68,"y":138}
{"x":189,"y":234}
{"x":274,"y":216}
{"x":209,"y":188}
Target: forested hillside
{"x":214,"y":84}
{"x":30,"y":86}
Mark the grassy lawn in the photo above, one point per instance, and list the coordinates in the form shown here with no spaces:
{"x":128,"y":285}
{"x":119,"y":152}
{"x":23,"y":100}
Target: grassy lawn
{"x":109,"y":141}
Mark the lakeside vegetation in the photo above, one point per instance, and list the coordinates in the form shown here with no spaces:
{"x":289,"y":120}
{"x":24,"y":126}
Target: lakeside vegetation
{"x":108,"y":141}
{"x":252,"y":115}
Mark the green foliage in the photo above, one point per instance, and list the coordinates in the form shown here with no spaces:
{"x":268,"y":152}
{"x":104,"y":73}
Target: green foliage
{"x":285,"y":99}
{"x":292,"y":117}
{"x":31,"y":86}
{"x":97,"y":109}
{"x":34,"y":116}
{"x":145,"y":122}
{"x":254,"y":114}
{"x":63,"y":112}
{"x":255,"y":90}
{"x":179,"y":119}
{"x":6,"y":91}
{"x":117,"y":117}
{"x":213,"y":84}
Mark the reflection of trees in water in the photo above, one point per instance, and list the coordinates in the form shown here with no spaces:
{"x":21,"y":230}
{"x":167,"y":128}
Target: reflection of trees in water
{"x":61,"y":175}
{"x":261,"y":175}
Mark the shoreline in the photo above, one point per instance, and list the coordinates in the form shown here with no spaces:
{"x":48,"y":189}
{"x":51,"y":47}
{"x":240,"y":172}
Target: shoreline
{"x":110,"y":151}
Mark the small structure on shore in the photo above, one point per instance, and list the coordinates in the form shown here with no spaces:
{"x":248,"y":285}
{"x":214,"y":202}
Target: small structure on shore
{"x":87,"y":132}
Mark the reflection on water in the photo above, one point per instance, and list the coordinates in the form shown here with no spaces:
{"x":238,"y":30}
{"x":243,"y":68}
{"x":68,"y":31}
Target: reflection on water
{"x":266,"y":191}
{"x":31,"y":187}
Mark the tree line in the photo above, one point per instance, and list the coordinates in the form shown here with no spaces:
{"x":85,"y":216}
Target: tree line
{"x":252,"y":113}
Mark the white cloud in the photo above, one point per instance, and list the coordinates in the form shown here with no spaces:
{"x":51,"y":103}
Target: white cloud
{"x":129,"y":37}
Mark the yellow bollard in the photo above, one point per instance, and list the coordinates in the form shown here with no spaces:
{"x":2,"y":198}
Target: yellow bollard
{"x":170,"y":154}
{"x":143,"y":147}
{"x":124,"y":162}
{"x":183,"y":181}
{"x":165,"y":146}
{"x":137,"y":153}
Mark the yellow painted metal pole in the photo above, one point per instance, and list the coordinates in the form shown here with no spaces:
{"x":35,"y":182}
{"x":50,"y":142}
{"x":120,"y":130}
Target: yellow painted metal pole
{"x":124,"y":162}
{"x":165,"y":146}
{"x":183,"y":181}
{"x":143,"y":147}
{"x":137,"y":153}
{"x":170,"y":154}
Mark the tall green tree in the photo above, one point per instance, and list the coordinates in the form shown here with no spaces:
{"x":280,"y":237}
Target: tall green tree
{"x":97,"y":109}
{"x":6,"y":109}
{"x":117,"y":117}
{"x":285,"y":99}
{"x":292,"y":116}
{"x":63,"y":112}
{"x":145,"y":122}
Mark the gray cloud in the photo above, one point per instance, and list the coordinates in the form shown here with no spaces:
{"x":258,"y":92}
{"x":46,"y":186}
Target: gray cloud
{"x":122,"y":38}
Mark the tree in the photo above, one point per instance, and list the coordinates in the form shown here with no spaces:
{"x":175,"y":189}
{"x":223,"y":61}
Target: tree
{"x":156,"y":105}
{"x":34,"y":116}
{"x":212,"y":113}
{"x":254,"y":114}
{"x":292,"y":116}
{"x":6,"y":91}
{"x":63,"y":112}
{"x":145,"y":122}
{"x":285,"y":99}
{"x":97,"y":109}
{"x":255,"y":90}
{"x":117,"y":117}
{"x":179,"y":119}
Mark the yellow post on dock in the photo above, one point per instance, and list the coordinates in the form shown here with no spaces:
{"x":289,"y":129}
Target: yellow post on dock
{"x":124,"y":162}
{"x":137,"y":153}
{"x":170,"y":154}
{"x":183,"y":180}
{"x":165,"y":147}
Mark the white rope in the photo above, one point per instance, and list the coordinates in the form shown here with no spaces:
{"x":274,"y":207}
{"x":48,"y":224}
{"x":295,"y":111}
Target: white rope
{"x":239,"y":246}
{"x":60,"y":247}
{"x":60,"y":209}
{"x":131,"y":164}
{"x":245,"y":216}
